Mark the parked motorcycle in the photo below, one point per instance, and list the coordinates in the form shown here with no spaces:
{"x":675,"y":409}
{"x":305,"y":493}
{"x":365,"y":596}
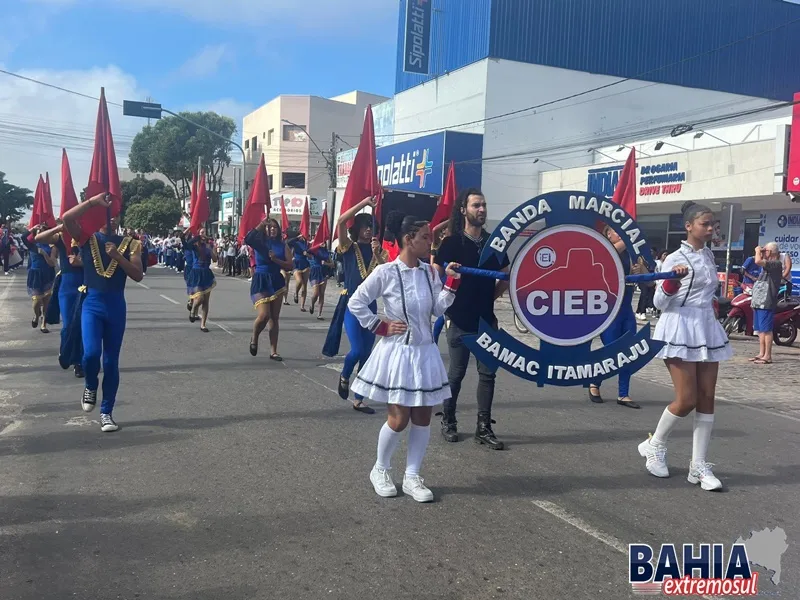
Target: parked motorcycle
{"x":739,"y":317}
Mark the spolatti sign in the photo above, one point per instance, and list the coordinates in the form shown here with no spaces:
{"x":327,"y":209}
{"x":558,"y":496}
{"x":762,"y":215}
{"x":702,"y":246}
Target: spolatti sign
{"x":566,"y":286}
{"x":416,"y":52}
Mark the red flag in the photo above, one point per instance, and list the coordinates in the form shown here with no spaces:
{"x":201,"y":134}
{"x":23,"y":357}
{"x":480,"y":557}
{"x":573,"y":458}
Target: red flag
{"x":257,"y":203}
{"x":445,"y":207}
{"x":305,"y":222}
{"x":323,"y":232}
{"x":49,"y":215}
{"x":625,"y":194}
{"x":103,"y":176}
{"x":38,"y":201}
{"x":200,"y":209}
{"x":68,"y":197}
{"x":363,"y":181}
{"x":284,"y":219}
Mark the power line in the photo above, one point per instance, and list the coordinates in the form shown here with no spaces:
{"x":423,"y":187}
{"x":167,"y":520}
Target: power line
{"x":55,"y":87}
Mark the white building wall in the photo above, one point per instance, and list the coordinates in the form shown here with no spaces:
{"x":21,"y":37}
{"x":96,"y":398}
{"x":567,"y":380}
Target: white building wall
{"x":561,"y":133}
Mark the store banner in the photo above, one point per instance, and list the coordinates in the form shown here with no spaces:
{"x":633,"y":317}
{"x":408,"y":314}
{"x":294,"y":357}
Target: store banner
{"x":416,"y":54}
{"x":793,"y":173}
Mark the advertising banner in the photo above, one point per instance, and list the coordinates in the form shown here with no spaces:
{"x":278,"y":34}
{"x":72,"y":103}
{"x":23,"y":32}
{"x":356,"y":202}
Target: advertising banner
{"x":416,"y":51}
{"x":793,"y":173}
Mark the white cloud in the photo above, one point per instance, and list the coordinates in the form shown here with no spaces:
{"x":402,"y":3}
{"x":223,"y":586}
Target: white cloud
{"x":205,"y":63}
{"x":37,"y":121}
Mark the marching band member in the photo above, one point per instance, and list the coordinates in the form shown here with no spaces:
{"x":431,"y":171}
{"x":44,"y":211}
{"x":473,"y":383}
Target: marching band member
{"x":405,"y":370}
{"x":200,"y":280}
{"x":625,"y":322}
{"x":71,"y":279}
{"x":188,"y":258}
{"x":360,"y":254}
{"x":320,"y":260}
{"x":268,"y":286}
{"x":695,"y":344}
{"x":108,"y":261}
{"x":41,"y":275}
{"x":302,"y":268}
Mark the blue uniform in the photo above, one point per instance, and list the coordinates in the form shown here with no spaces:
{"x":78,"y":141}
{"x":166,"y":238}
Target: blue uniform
{"x":268,"y":282}
{"x":301,"y":262}
{"x":104,"y":313}
{"x":358,"y":262}
{"x":319,"y":271}
{"x":200,"y":280}
{"x":70,"y":279}
{"x":40,"y":274}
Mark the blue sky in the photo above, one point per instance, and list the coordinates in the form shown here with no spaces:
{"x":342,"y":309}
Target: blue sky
{"x":230,"y":56}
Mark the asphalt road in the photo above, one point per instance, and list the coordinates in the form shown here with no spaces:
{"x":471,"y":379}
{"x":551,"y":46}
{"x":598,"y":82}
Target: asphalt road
{"x":235,"y":477}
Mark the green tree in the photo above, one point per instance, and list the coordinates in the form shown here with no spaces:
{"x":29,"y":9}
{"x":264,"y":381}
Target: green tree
{"x":141,"y":188}
{"x":14,"y":201}
{"x":172,"y":146}
{"x":156,"y":215}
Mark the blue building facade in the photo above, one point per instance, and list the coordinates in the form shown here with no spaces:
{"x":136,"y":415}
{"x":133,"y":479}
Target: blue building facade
{"x":746,"y":47}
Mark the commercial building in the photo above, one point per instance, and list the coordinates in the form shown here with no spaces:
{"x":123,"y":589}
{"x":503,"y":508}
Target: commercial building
{"x":296,"y":134}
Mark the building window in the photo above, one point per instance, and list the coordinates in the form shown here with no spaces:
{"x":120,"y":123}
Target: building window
{"x":294,"y":133}
{"x":254,"y":142}
{"x":247,"y":144}
{"x":293,"y":180}
{"x":270,"y":181}
{"x":270,"y":137}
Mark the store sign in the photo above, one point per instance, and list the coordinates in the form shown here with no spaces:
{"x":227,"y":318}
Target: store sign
{"x":344,"y":164}
{"x":294,"y":205}
{"x":661,"y":179}
{"x":413,"y":166}
{"x":793,"y":173}
{"x":783,"y":228}
{"x":416,"y":52}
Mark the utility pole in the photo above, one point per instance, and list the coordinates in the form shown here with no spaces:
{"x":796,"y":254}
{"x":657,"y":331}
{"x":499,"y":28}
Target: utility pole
{"x":332,"y":161}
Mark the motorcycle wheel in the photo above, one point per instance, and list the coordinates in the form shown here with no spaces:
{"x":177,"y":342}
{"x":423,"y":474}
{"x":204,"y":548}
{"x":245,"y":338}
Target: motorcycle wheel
{"x":786,"y":334}
{"x":731,"y":325}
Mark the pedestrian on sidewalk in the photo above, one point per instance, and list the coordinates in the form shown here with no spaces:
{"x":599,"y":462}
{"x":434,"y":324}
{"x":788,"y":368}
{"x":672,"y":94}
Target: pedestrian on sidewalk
{"x":765,"y":299}
{"x":695,"y":343}
{"x":474,"y":301}
{"x":230,"y":257}
{"x":108,"y":260}
{"x":405,"y":370}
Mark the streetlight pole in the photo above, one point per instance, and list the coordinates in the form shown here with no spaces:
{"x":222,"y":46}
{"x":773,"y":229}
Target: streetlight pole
{"x":150,"y":110}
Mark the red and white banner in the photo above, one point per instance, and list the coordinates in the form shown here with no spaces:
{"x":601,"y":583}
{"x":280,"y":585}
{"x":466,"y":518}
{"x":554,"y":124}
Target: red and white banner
{"x":793,"y":174}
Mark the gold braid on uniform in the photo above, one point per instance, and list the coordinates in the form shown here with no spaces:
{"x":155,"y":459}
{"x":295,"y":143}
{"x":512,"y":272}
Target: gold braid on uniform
{"x":98,"y":261}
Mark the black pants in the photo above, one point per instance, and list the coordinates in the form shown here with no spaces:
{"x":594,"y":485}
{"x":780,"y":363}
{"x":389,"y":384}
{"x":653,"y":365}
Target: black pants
{"x":646,"y":296}
{"x":229,"y":260}
{"x":459,"y":361}
{"x":6,"y":253}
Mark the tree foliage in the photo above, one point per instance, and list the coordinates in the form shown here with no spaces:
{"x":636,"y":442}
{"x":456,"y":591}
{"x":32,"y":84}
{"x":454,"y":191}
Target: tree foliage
{"x":172,"y":146}
{"x":14,"y":200}
{"x":156,"y":215}
{"x":138,"y":189}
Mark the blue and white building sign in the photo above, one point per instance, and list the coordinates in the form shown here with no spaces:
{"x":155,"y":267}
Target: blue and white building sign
{"x":416,"y":54}
{"x":419,"y":166}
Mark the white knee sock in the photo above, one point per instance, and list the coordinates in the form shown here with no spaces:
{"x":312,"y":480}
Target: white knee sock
{"x":701,"y":436}
{"x":388,"y":440}
{"x":665,"y":425}
{"x":418,"y":439}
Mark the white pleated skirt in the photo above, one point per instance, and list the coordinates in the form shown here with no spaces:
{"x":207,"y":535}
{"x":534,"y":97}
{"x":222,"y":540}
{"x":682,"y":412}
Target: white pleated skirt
{"x":693,"y":335}
{"x":402,"y":374}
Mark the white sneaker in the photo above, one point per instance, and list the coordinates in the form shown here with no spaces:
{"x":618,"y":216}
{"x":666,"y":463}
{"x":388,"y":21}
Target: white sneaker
{"x":382,"y":482}
{"x":107,"y":424}
{"x":641,"y":317}
{"x":656,"y":455}
{"x":413,"y":486}
{"x":701,"y":473}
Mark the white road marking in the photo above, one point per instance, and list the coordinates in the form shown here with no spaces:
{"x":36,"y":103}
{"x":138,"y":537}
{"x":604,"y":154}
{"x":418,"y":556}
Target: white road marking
{"x":221,"y":326}
{"x":8,"y":344}
{"x":578,"y":523}
{"x":333,"y":367}
{"x":81,"y":421}
{"x":168,"y":299}
{"x":14,"y":425}
{"x":314,"y":381}
{"x":140,"y":284}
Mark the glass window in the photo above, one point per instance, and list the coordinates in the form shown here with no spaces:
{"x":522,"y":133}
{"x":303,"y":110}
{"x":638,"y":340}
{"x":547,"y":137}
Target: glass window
{"x":293,"y":180}
{"x":270,"y":137}
{"x":294,"y":133}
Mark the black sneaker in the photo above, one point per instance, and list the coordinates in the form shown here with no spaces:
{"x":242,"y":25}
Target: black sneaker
{"x":484,"y":434}
{"x":344,"y":388}
{"x":449,"y":425}
{"x":89,"y":400}
{"x":79,"y":371}
{"x":107,"y":424}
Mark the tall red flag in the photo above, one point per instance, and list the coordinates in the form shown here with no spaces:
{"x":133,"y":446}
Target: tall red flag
{"x":38,"y":201}
{"x":625,"y":194}
{"x":284,"y":219}
{"x":305,"y":221}
{"x":363,"y":181}
{"x":68,"y":197}
{"x":445,"y":207}
{"x":200,"y":209}
{"x":103,"y":176}
{"x":50,"y":217}
{"x":257,"y":203}
{"x":323,"y":232}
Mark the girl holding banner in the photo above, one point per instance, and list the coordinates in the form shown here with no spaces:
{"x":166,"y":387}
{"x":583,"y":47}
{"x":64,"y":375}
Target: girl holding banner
{"x":41,"y":275}
{"x":695,"y":343}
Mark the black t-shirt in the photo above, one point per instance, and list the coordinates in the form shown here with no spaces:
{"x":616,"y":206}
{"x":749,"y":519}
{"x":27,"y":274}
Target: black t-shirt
{"x":475,"y":297}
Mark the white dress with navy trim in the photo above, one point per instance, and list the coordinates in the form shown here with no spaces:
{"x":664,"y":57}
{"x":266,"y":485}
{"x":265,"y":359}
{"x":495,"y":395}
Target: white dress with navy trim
{"x":688,"y":324}
{"x":403,"y":369}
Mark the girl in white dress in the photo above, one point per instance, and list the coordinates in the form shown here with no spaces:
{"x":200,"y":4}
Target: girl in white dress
{"x":695,"y":343}
{"x":405,"y":369}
